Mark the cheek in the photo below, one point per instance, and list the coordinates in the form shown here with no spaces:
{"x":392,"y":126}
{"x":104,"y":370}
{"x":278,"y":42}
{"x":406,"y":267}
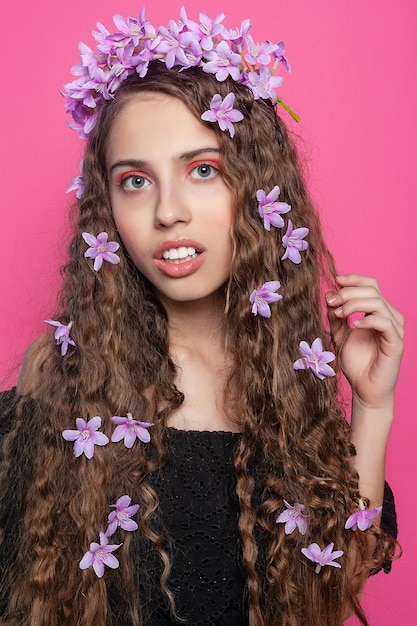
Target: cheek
{"x":223,"y":227}
{"x":222,"y":217}
{"x":133,"y":240}
{"x":224,"y":242}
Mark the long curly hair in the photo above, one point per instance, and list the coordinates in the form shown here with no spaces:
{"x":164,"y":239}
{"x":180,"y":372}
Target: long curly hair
{"x":295,"y":439}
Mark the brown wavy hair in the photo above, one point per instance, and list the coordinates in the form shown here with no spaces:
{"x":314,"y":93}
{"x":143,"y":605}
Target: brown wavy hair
{"x":295,"y":440}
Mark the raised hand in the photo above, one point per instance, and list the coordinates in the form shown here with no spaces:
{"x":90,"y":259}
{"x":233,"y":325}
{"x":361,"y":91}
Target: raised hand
{"x":370,"y":350}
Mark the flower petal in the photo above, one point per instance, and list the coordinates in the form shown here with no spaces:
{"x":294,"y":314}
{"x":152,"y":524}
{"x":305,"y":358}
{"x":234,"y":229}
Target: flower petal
{"x":143,"y":434}
{"x":94,"y":423}
{"x":98,"y":262}
{"x":87,"y":560}
{"x":98,"y":567}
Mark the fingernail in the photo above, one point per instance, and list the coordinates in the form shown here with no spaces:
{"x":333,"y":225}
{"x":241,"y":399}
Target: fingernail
{"x":331,"y":298}
{"x":339,"y":311}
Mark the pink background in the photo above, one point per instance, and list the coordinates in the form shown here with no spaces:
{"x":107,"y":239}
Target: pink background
{"x":354,"y":85}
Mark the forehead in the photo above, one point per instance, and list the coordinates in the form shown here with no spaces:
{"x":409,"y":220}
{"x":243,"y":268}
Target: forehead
{"x":155,"y":124}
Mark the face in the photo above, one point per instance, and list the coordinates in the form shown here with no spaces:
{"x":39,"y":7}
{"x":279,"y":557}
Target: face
{"x":170,"y":204}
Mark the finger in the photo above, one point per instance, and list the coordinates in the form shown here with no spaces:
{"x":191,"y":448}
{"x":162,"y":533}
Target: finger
{"x":366,"y":291}
{"x":346,"y":293}
{"x":388,"y":332}
{"x":370,"y":307}
{"x":351,"y":280}
{"x":362,"y":302}
{"x":338,"y":327}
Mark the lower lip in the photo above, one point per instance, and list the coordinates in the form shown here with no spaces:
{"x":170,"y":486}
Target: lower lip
{"x":180,"y":270}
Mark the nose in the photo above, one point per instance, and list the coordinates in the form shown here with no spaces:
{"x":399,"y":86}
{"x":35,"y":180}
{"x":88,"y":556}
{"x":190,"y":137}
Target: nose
{"x":171,"y":206}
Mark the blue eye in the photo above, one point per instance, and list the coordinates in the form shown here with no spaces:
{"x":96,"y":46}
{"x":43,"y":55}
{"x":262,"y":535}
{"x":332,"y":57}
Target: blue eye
{"x":204,"y":171}
{"x":134,"y":182}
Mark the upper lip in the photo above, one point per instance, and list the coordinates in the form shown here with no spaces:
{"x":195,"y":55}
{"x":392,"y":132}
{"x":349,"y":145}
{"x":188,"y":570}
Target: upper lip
{"x":178,"y":243}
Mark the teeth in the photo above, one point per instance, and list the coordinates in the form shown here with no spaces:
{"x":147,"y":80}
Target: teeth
{"x":178,"y":253}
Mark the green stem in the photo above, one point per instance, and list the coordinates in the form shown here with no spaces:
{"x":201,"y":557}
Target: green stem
{"x":289,"y":111}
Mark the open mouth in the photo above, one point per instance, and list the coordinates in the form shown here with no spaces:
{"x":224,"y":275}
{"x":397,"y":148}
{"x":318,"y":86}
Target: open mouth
{"x":180,"y":255}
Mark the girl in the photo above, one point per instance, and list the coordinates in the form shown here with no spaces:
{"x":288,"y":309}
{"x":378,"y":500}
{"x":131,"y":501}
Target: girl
{"x":181,"y":456}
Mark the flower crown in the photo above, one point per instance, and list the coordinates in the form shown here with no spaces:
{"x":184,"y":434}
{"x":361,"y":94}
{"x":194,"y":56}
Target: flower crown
{"x":207,"y":44}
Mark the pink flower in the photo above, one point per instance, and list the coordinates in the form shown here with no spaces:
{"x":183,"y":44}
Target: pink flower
{"x":261,"y":298}
{"x":86,"y":436}
{"x":100,"y":555}
{"x":269,"y":209}
{"x":293,"y":242}
{"x":363,"y":518}
{"x":101,"y":249}
{"x":315,"y":358}
{"x":121,"y":516}
{"x":130,"y":429}
{"x":293,"y":518}
{"x":322,"y":557}
{"x":223,"y":112}
{"x":62,"y":335}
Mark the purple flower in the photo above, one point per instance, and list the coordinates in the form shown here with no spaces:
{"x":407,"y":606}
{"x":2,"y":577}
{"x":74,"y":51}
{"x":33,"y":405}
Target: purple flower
{"x":237,"y":35}
{"x":278,"y":53}
{"x":363,"y":518}
{"x":86,"y":436}
{"x":322,"y":557}
{"x":293,"y":242}
{"x":88,"y":59}
{"x":130,"y":429}
{"x":263,"y":84}
{"x":223,"y":112}
{"x":77,"y":183}
{"x":103,"y":38}
{"x":193,"y":53}
{"x":62,"y":335}
{"x":223,"y":62}
{"x":258,"y":52}
{"x":131,"y":28}
{"x":98,"y":84}
{"x":122,"y":516}
{"x":172,"y":45}
{"x":315,"y":358}
{"x":207,"y":29}
{"x":99,"y":555}
{"x":84,"y":119}
{"x":293,"y":518}
{"x":261,"y":298}
{"x":101,"y":249}
{"x":269,"y":209}
{"x":126,"y":60}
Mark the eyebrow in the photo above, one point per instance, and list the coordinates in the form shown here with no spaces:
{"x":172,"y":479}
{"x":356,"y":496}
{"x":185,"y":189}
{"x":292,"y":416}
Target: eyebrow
{"x":139,"y":164}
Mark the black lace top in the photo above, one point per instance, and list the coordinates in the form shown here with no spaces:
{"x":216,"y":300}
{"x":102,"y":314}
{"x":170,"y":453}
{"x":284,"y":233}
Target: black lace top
{"x":199,"y":509}
{"x":197,"y":499}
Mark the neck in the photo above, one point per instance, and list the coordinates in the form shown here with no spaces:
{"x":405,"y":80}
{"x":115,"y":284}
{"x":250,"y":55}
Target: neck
{"x":194,"y":324}
{"x":197,"y":345}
